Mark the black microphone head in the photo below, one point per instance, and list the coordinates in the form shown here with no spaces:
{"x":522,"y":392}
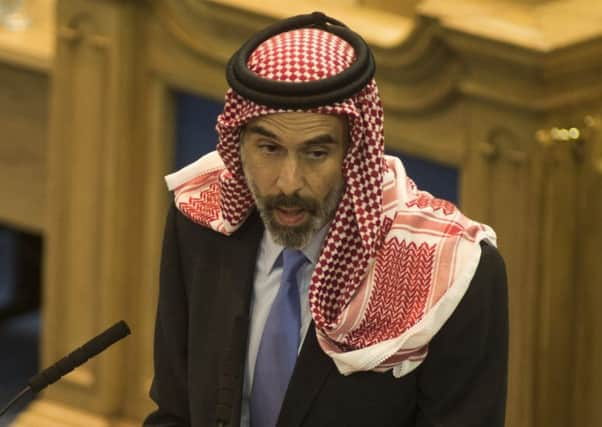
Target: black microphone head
{"x":116,"y":332}
{"x":79,"y":356}
{"x":122,"y":328}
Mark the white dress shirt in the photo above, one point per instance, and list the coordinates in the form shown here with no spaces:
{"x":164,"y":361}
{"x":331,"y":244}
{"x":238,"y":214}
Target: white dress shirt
{"x":268,"y":271}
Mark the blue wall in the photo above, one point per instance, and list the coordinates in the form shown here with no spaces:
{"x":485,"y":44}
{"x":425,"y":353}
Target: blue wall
{"x":195,"y":121}
{"x":195,"y":127}
{"x":19,"y":334}
{"x":438,"y":179}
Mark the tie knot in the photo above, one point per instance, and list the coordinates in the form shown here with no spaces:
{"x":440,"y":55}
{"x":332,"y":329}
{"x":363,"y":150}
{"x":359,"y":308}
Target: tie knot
{"x":292,"y":260}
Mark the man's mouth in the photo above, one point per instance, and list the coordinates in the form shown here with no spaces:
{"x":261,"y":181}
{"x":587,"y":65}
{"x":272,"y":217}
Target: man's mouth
{"x":290,"y":216}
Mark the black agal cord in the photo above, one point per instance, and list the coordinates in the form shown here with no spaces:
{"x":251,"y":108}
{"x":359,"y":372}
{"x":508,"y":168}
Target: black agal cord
{"x":289,"y":95}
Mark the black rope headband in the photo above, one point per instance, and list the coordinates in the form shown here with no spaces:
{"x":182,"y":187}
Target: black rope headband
{"x":289,"y":95}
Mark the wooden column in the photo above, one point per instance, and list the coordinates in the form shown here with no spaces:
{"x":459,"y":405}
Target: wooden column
{"x":92,"y":232}
{"x":496,"y":187}
{"x":588,"y":280}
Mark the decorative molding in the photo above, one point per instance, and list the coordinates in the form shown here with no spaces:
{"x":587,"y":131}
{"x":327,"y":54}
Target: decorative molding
{"x":502,"y":143}
{"x":378,"y":27}
{"x":433,"y":59}
{"x":545,"y":26}
{"x":417,"y":63}
{"x":509,"y":57}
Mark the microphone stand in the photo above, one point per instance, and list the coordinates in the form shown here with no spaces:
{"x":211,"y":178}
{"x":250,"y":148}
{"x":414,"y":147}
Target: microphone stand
{"x":15,"y":400}
{"x":76,"y":358}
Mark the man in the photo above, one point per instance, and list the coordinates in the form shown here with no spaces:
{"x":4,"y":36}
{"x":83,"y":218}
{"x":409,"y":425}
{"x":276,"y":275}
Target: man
{"x":305,"y":280}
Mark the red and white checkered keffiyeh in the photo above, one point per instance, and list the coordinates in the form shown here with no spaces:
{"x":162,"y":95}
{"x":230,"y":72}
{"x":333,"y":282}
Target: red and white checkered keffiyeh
{"x":395,"y":262}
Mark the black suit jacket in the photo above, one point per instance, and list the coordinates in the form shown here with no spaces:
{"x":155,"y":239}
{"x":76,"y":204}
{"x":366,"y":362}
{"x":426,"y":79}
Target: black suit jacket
{"x":201,"y":341}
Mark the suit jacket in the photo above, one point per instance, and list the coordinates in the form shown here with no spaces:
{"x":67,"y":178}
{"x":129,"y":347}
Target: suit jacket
{"x":201,"y":341}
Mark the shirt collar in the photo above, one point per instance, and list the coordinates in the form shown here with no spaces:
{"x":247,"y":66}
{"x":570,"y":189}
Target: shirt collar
{"x":311,"y":250}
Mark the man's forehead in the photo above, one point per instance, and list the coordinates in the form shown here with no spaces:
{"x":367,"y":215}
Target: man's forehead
{"x":299,"y":121}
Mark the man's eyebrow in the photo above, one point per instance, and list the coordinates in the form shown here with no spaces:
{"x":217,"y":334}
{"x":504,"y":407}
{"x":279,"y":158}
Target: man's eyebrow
{"x":261,"y":131}
{"x":321,"y":139}
{"x":317,"y":140}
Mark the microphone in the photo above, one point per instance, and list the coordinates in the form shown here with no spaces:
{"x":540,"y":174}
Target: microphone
{"x":68,"y":363}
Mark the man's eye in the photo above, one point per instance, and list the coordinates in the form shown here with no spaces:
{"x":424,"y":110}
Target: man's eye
{"x":317,"y":154}
{"x":268,"y":148}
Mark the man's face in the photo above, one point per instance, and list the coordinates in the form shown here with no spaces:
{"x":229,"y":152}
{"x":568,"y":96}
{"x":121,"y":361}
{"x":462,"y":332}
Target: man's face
{"x":293,"y":166}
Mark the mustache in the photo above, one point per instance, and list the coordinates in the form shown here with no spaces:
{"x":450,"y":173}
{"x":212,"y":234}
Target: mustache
{"x":292,"y":201}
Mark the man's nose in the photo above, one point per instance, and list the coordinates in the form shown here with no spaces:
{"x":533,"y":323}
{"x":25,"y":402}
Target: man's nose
{"x":290,"y":179}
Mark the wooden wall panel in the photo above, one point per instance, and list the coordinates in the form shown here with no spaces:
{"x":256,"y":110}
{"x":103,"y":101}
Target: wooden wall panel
{"x":496,"y":167}
{"x":90,"y":216}
{"x":24,"y":98}
{"x":471,"y":91}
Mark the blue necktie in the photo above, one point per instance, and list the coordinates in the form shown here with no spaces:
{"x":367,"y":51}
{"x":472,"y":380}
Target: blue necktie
{"x":278,"y":347}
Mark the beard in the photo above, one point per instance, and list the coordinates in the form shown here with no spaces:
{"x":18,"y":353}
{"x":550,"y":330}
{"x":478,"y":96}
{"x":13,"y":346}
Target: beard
{"x":298,"y":236}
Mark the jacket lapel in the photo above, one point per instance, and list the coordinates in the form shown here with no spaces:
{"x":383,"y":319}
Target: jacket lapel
{"x":237,"y":272}
{"x":311,"y":370}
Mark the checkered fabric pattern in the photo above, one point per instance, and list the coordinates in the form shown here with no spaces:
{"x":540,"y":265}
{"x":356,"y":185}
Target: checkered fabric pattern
{"x":306,"y":55}
{"x":395,"y":262}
